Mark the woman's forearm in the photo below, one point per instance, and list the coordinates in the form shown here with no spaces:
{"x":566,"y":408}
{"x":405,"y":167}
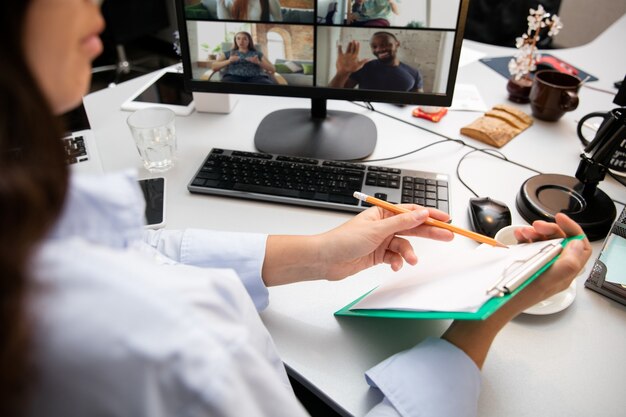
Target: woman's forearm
{"x":290,"y":259}
{"x":220,"y":65}
{"x":475,"y":337}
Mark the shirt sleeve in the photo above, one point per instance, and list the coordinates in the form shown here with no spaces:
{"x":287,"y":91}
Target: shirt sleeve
{"x":419,"y":82}
{"x":242,"y":252}
{"x":433,"y":379}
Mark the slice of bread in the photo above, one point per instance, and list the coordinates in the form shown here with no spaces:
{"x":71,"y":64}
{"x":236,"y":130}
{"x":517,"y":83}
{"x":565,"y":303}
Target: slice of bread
{"x":498,"y":125}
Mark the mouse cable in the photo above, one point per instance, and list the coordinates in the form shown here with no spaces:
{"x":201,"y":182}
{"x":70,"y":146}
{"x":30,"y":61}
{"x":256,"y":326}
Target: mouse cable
{"x":458,"y":165}
{"x":504,"y":158}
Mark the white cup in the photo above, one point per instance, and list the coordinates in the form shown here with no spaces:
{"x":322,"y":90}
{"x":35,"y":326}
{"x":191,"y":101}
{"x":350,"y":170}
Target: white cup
{"x":557,"y":302}
{"x":506,"y":234}
{"x":155,"y":136}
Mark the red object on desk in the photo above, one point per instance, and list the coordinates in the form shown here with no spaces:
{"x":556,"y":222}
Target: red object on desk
{"x":433,"y":117}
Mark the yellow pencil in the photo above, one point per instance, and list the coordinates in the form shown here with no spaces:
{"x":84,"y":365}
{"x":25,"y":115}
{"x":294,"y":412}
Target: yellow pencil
{"x":429,"y":221}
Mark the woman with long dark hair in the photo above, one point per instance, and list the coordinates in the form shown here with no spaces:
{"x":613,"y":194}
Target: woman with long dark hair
{"x":100,"y":317}
{"x":33,"y":174}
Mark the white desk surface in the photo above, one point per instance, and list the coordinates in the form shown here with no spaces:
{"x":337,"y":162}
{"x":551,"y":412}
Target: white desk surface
{"x":570,"y":363}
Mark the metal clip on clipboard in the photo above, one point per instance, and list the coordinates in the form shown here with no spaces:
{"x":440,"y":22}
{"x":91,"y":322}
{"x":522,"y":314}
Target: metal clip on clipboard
{"x":520,"y":270}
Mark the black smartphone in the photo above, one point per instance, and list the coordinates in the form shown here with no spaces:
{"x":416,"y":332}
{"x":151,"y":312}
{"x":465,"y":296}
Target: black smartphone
{"x":154,"y":194}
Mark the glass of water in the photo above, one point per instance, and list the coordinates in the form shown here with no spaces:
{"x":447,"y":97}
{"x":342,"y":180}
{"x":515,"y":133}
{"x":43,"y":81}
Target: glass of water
{"x":155,"y":136}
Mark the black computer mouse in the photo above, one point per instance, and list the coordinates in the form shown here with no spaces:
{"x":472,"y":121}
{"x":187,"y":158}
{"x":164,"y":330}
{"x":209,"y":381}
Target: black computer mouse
{"x":487,"y":216}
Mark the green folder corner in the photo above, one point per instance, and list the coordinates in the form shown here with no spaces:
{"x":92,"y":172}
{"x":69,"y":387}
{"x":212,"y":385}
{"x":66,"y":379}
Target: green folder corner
{"x":487,"y":309}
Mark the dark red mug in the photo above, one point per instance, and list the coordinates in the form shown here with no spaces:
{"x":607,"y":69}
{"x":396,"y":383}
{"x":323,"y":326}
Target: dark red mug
{"x":553,"y":93}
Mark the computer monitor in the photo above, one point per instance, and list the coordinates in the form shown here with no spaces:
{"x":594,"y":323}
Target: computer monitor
{"x":403,"y":52}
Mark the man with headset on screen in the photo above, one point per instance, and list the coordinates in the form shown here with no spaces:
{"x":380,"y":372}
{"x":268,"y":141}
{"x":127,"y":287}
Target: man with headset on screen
{"x":386,"y":72}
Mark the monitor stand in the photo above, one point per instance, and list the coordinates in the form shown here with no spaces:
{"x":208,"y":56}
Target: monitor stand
{"x":317,"y":133}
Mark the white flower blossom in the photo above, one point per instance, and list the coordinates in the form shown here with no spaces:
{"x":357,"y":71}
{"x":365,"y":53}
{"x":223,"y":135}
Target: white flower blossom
{"x":539,"y":12}
{"x":555,"y":26}
{"x":525,"y":60}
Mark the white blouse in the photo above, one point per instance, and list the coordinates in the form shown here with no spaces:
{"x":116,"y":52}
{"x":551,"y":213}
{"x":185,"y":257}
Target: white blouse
{"x":131,"y":322}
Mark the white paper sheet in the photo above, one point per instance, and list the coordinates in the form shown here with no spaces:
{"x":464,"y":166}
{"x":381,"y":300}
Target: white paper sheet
{"x":455,"y":281}
{"x":467,"y":98}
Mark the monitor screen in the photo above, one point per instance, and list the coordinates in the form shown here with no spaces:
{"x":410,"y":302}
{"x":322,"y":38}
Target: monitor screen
{"x":394,"y":51}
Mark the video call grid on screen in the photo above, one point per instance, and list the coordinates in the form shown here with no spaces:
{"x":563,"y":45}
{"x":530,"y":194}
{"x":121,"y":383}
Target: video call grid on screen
{"x":303,"y":47}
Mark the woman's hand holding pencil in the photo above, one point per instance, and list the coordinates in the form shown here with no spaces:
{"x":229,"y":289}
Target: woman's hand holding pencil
{"x":429,"y":221}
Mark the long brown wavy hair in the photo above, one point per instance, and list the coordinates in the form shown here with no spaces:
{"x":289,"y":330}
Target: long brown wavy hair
{"x":33,"y":184}
{"x":239,"y":10}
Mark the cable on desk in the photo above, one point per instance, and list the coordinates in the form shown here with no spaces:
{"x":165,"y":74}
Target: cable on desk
{"x":417,"y":150}
{"x":601,"y":90}
{"x":458,"y":165}
{"x":368,"y":105}
{"x":489,"y":152}
{"x":446,"y":139}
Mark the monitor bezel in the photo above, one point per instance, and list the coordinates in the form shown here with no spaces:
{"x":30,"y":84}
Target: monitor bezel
{"x":317,"y":92}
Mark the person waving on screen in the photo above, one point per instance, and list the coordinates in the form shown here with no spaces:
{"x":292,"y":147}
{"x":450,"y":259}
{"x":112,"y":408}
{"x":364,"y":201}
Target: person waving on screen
{"x":386,"y":72}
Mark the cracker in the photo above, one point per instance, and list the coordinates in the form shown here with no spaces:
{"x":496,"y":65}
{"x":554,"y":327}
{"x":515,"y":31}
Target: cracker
{"x":508,"y":118}
{"x":518,"y":113}
{"x":498,"y":125}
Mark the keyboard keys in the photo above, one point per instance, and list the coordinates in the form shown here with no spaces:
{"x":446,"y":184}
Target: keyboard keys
{"x":314,"y":182}
{"x":75,"y":150}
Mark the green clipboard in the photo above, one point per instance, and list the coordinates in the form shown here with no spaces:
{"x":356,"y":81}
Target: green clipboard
{"x":487,"y":309}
